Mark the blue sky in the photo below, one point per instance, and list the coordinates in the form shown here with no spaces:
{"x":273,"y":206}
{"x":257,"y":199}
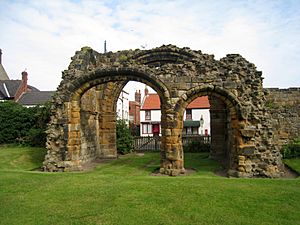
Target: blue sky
{"x":42,"y":35}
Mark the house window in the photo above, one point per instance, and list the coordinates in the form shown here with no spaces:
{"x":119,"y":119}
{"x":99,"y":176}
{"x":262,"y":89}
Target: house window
{"x":188,"y":114}
{"x":147,"y":128}
{"x":147,"y":115}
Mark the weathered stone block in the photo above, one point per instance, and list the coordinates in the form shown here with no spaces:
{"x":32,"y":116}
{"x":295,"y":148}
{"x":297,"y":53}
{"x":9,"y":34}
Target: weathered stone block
{"x":248,"y":132}
{"x":247,"y":149}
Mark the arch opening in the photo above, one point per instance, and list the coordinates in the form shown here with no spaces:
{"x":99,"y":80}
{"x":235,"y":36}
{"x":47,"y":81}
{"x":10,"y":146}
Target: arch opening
{"x":92,"y":116}
{"x":223,"y":132}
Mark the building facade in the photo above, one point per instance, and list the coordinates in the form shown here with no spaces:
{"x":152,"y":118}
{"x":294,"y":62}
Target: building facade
{"x":134,"y":114}
{"x":123,"y":106}
{"x":196,"y":116}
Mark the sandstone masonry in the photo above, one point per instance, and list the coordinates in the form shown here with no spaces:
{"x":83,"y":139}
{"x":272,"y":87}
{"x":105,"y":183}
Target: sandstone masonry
{"x":284,"y":108}
{"x":82,"y":126}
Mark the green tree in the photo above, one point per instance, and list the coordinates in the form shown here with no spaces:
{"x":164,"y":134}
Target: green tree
{"x":124,"y":138}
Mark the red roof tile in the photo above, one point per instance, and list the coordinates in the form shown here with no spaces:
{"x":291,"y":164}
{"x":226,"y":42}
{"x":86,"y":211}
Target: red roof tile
{"x":199,"y":103}
{"x":152,"y":102}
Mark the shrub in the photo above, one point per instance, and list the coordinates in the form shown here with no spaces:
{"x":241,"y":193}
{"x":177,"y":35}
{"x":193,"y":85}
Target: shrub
{"x":197,"y":146}
{"x":23,"y":125}
{"x":292,"y":149}
{"x":124,"y":138}
{"x":36,"y":137}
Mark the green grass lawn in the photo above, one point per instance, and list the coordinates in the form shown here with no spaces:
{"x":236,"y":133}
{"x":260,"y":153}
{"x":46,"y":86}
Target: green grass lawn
{"x":123,"y":192}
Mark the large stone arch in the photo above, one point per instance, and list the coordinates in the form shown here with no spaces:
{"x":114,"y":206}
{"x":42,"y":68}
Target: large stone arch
{"x":70,"y":153}
{"x":178,"y":75}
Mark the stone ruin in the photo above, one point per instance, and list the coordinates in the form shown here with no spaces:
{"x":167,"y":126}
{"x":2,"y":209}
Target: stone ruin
{"x":83,"y":115}
{"x":284,"y":107}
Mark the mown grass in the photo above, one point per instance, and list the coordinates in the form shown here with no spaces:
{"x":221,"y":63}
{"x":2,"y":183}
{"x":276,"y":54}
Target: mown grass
{"x":293,"y":163}
{"x":123,"y":192}
{"x":13,"y":157}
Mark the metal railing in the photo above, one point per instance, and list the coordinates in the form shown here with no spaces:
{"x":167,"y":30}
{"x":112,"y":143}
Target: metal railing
{"x":147,"y":143}
{"x":203,"y":139}
{"x":154,"y":143}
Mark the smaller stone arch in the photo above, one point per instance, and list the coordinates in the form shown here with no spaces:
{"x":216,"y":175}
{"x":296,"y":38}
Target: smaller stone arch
{"x":230,"y":99}
{"x":231,"y":115}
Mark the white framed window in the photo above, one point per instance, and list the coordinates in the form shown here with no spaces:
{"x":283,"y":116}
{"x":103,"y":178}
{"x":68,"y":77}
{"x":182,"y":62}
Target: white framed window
{"x":147,"y":128}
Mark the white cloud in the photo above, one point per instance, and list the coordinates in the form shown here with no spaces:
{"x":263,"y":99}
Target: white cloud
{"x":42,"y":35}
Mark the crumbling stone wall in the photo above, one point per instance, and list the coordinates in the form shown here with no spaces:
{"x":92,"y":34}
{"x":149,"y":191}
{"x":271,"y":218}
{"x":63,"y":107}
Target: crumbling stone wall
{"x":284,"y":107}
{"x":179,"y":75}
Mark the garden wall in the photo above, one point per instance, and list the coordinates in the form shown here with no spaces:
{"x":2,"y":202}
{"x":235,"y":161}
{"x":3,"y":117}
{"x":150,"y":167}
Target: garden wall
{"x":284,"y":106}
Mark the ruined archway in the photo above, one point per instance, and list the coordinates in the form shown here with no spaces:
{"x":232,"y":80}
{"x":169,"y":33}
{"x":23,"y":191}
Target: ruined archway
{"x":225,"y":117}
{"x":178,"y":75}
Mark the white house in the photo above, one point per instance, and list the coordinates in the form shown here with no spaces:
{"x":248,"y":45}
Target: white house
{"x":196,"y":116}
{"x":123,"y":106}
{"x":150,"y":115}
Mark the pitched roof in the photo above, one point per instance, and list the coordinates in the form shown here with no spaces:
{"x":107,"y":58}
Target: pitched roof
{"x":11,"y":86}
{"x":36,"y":97}
{"x":199,"y":103}
{"x":152,"y":102}
{"x":8,"y":88}
{"x":3,"y":74}
{"x":3,"y":93}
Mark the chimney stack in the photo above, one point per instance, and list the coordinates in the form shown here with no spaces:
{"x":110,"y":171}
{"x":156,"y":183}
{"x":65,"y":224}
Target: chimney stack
{"x":24,"y":80}
{"x":23,"y":87}
{"x":0,"y":56}
{"x":137,"y":96}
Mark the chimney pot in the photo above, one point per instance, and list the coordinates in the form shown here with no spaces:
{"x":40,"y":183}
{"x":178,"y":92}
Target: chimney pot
{"x":24,"y":75}
{"x":0,"y":56}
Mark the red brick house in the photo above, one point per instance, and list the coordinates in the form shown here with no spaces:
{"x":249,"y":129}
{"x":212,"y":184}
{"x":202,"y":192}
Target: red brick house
{"x":134,"y":113}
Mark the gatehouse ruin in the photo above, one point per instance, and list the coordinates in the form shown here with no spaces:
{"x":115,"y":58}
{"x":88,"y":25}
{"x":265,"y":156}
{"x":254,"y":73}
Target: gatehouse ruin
{"x":83,"y":115}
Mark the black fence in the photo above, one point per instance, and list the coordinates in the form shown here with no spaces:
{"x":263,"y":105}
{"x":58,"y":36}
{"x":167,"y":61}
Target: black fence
{"x":147,"y":143}
{"x":154,"y":143}
{"x":203,"y":139}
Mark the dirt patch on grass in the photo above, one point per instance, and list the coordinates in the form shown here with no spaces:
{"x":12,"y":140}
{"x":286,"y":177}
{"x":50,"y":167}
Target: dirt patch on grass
{"x":188,"y":172}
{"x":91,"y":165}
{"x":288,"y":173}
